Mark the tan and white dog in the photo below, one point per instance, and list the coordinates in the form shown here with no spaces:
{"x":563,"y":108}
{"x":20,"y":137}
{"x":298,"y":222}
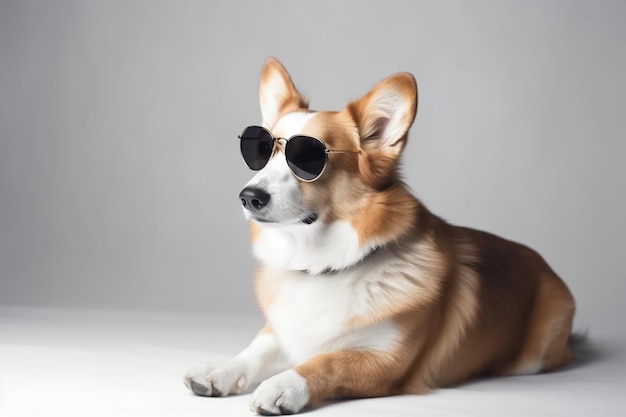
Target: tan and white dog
{"x":366,"y":293}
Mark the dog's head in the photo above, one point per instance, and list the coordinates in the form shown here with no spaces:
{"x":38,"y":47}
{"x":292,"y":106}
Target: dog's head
{"x":357,"y":202}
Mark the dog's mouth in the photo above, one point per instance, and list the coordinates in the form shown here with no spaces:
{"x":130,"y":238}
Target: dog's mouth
{"x":308,"y":219}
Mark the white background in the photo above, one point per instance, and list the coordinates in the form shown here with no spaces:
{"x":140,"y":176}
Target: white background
{"x":119,"y":161}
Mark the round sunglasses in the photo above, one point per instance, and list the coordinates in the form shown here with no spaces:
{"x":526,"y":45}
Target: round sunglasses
{"x":306,"y":156}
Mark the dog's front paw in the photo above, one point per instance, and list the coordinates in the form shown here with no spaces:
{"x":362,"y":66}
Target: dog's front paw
{"x":219,"y":380}
{"x":285,"y":393}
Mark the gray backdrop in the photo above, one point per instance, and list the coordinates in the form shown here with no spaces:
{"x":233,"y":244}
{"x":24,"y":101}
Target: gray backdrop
{"x":119,"y":163}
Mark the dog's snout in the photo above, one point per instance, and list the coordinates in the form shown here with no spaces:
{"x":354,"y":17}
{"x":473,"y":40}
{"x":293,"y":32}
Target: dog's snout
{"x":253,"y":198}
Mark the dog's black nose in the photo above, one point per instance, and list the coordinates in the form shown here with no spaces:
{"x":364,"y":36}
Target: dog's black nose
{"x":254,"y":199}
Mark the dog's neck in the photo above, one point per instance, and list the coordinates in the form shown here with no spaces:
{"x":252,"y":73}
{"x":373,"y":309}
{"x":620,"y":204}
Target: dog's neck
{"x":330,"y":270}
{"x":315,"y":248}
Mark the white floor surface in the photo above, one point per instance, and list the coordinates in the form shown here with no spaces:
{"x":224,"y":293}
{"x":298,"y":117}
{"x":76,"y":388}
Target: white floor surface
{"x":86,"y":363}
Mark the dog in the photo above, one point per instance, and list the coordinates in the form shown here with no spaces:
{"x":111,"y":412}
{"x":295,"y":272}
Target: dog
{"x":366,"y":293}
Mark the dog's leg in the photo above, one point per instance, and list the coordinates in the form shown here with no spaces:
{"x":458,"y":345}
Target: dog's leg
{"x":339,"y":374}
{"x":549,"y":326}
{"x":260,"y":360}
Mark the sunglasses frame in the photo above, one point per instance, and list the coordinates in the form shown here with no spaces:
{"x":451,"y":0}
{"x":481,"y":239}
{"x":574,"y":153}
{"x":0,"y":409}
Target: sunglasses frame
{"x":326,"y":151}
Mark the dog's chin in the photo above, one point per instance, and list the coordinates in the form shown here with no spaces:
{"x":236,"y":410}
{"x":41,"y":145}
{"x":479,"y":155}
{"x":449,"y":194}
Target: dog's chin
{"x":306,"y":220}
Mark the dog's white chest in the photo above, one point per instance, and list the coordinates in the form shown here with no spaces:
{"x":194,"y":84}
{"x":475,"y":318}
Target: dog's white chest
{"x":311,"y":315}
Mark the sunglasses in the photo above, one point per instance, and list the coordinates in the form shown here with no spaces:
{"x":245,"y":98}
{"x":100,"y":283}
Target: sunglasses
{"x":306,"y":156}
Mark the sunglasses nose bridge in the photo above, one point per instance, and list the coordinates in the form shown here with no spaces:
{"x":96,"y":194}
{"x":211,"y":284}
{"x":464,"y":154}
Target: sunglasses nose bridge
{"x":279,"y":145}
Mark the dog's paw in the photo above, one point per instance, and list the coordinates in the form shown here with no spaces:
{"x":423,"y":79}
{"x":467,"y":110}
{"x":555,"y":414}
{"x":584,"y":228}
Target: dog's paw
{"x":217,"y":380}
{"x":285,"y":393}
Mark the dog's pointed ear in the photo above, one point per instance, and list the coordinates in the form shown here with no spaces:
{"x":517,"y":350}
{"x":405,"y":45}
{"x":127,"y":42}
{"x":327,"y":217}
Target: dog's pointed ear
{"x":385,"y":114}
{"x":383,"y":117}
{"x":277,"y":93}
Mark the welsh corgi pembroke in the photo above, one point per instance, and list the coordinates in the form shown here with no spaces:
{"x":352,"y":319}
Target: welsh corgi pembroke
{"x":365,"y":292}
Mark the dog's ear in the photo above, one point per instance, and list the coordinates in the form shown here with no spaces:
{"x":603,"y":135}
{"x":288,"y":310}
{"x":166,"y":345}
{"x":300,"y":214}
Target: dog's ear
{"x":383,"y":117}
{"x":277,"y":93}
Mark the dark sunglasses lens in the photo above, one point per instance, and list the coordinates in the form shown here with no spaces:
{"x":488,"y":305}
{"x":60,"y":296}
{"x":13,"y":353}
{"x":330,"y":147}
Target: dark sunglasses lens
{"x":306,"y":157}
{"x":256,"y":147}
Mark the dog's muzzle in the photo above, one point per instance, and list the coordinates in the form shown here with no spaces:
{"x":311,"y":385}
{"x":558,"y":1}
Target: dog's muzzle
{"x":255,"y":199}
